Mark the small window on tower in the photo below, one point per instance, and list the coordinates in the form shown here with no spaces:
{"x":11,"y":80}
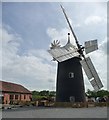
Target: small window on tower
{"x":71,"y":75}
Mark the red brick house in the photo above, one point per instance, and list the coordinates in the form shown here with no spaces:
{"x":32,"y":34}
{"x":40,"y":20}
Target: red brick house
{"x":12,"y":93}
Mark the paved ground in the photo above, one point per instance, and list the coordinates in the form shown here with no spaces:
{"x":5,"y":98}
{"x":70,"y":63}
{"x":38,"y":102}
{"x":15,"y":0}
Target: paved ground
{"x":36,"y":112}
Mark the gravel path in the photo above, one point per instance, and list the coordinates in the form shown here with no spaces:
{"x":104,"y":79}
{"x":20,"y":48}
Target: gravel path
{"x":92,"y":112}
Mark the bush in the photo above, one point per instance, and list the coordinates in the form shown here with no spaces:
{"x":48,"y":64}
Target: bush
{"x":25,"y":103}
{"x":33,"y":103}
{"x":101,"y":104}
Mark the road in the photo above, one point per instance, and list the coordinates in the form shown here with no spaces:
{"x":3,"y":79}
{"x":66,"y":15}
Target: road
{"x":38,"y":112}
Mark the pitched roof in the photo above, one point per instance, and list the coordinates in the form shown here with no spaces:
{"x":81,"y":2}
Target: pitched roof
{"x":12,"y":87}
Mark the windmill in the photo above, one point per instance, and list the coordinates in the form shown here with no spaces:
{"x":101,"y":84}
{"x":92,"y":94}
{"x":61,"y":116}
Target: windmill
{"x":71,"y":59}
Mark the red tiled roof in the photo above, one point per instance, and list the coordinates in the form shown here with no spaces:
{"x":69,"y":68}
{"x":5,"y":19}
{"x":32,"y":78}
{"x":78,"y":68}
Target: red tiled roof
{"x":12,"y":87}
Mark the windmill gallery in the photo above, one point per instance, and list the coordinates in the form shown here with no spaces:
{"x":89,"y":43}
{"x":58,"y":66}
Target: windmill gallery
{"x":71,"y":59}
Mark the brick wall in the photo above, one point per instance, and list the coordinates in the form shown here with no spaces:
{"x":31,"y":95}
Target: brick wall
{"x":13,"y":97}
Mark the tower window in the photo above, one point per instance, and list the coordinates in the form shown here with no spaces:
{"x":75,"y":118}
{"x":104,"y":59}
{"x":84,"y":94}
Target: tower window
{"x":71,"y":75}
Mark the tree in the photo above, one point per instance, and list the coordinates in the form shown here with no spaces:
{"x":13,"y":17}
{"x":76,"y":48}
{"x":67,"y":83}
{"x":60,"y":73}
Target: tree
{"x":35,"y":92}
{"x":44,"y":93}
{"x":100,"y":93}
{"x":52,"y":93}
{"x":90,"y":93}
{"x":37,"y":95}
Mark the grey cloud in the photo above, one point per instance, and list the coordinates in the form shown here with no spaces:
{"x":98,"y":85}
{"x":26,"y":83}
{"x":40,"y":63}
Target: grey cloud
{"x":27,"y":70}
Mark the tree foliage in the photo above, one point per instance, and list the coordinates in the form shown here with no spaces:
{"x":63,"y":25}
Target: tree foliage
{"x":100,"y":93}
{"x":42,"y":94}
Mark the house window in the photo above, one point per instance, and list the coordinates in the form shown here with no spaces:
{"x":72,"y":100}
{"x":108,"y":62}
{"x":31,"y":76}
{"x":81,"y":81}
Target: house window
{"x":11,"y":97}
{"x":16,"y":96}
{"x":71,"y":75}
{"x":20,"y":97}
{"x":24,"y":96}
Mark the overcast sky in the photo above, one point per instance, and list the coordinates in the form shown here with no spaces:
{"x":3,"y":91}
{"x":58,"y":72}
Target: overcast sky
{"x":28,"y":28}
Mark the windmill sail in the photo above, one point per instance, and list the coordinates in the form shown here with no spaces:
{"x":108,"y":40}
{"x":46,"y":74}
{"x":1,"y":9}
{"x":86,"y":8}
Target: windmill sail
{"x":70,"y":27}
{"x":80,"y":48}
{"x":91,"y":73}
{"x":91,"y":46}
{"x":86,"y":62}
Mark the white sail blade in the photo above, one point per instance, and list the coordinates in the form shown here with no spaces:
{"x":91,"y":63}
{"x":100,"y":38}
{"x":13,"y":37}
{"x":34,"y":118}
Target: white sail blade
{"x":91,"y":46}
{"x":91,"y":73}
{"x":64,"y":53}
{"x":74,"y":35}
